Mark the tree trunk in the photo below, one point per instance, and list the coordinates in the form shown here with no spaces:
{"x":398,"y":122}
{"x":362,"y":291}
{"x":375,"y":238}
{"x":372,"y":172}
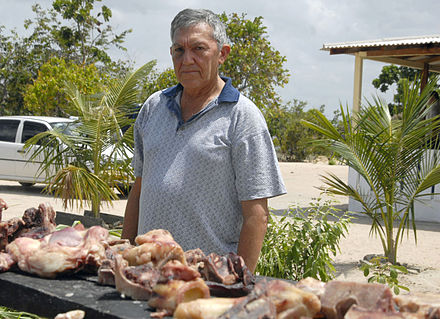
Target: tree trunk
{"x":96,"y":203}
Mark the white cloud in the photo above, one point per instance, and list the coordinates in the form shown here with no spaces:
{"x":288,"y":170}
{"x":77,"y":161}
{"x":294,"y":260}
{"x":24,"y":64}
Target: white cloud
{"x":297,"y":28}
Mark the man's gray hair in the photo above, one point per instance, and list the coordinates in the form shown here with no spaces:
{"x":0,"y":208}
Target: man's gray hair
{"x":190,"y":17}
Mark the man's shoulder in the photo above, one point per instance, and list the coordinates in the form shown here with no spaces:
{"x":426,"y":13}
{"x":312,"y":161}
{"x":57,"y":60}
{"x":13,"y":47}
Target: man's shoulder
{"x":245,"y":107}
{"x":155,"y":100}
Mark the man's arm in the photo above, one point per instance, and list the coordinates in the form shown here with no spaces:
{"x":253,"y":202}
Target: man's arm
{"x":131,"y":216}
{"x":255,"y":215}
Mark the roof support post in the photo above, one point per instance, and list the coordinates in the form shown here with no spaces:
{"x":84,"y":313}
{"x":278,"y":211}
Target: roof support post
{"x":425,"y":75}
{"x":357,"y":89}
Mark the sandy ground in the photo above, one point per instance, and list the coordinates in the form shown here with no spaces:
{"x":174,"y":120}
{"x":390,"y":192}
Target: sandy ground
{"x":302,"y":181}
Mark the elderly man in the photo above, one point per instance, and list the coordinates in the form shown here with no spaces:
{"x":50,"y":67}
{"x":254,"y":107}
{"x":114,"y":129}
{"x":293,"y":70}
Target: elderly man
{"x":204,"y":160}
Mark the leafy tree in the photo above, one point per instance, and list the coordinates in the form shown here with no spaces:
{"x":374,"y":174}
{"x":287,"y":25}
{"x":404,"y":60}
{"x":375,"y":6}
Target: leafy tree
{"x":255,"y":67}
{"x":46,"y":95}
{"x":395,"y":75}
{"x":16,"y":70}
{"x":392,"y":156}
{"x":157,"y":81}
{"x":74,"y":30}
{"x":291,"y":138}
{"x":87,"y":164}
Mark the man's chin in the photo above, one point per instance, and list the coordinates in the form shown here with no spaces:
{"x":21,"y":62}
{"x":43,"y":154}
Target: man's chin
{"x":190,"y":82}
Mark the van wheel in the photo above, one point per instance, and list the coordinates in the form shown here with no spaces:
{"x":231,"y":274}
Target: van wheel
{"x":26,"y":184}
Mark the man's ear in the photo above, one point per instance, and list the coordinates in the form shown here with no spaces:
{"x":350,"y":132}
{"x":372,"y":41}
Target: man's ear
{"x":224,"y":52}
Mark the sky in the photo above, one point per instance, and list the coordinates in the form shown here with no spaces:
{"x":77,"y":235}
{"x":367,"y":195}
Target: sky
{"x":296,"y":28}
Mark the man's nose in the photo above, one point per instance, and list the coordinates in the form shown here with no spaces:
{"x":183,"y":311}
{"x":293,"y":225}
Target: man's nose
{"x":188,"y":57}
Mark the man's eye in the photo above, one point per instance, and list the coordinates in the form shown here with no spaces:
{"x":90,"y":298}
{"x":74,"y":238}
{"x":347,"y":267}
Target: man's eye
{"x":178,"y":50}
{"x":200,"y":48}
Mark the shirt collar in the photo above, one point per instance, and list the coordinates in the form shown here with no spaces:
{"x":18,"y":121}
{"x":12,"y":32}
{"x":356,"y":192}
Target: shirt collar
{"x":228,"y":93}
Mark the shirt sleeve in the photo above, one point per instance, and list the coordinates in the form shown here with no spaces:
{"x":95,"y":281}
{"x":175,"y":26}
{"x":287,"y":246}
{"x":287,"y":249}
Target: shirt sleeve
{"x":254,"y":159}
{"x":138,"y":156}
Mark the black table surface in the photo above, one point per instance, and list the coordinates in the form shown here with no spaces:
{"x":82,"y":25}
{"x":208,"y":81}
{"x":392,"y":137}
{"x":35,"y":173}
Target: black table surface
{"x":48,"y":297}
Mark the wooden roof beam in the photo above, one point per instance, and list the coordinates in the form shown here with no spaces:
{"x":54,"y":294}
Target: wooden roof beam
{"x":408,"y":63}
{"x":388,"y":51}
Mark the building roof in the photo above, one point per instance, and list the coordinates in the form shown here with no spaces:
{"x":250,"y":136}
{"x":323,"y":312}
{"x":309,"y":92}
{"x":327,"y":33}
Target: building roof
{"x":412,"y":41}
{"x":417,"y":52}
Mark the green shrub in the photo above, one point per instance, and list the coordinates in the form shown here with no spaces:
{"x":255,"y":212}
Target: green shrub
{"x":302,"y":243}
{"x":383,"y":272}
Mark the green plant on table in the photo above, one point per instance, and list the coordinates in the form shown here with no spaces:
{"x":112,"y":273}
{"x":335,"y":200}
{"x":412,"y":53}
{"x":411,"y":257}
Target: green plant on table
{"x":6,"y":313}
{"x":384,"y":272}
{"x":302,"y":242}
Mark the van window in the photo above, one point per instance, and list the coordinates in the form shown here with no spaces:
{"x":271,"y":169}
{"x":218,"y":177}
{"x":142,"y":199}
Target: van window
{"x":8,"y":130}
{"x":31,"y":129}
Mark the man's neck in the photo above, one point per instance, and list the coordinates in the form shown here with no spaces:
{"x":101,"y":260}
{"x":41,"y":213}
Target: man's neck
{"x":193,"y":101}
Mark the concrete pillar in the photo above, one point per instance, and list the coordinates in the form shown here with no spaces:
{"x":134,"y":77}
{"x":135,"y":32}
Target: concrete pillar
{"x":357,"y":88}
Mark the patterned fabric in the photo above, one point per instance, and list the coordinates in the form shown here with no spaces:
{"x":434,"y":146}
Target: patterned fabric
{"x":196,"y":173}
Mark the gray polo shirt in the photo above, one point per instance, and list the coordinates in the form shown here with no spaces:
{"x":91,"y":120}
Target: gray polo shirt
{"x":196,"y":173}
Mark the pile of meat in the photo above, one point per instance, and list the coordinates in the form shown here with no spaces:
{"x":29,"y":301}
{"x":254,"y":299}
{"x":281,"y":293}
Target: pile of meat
{"x":190,"y":284}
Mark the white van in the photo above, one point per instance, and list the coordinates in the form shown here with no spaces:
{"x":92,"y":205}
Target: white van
{"x":14,"y":132}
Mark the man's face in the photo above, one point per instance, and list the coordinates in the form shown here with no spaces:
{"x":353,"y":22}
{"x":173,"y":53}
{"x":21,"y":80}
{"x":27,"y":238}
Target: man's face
{"x":196,"y":56}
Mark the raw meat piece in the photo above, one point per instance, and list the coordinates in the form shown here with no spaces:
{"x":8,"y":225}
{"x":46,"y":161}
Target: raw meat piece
{"x":273,"y":299}
{"x":167,"y":295}
{"x":210,"y":308}
{"x":425,"y":305}
{"x":312,"y":285}
{"x":74,"y":314}
{"x":67,"y":250}
{"x":106,"y":272}
{"x":227,"y":270}
{"x":175,"y":270}
{"x":339,"y":296}
{"x":156,"y":246}
{"x":356,"y":312}
{"x":6,"y":261}
{"x":8,"y":230}
{"x":135,"y":281}
{"x":35,"y":223}
{"x":289,"y":299}
{"x":219,"y":269}
{"x":38,"y":222}
{"x":194,"y":258}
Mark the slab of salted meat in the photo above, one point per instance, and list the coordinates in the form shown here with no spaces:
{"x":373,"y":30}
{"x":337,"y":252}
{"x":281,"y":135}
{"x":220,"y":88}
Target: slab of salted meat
{"x":66,"y":250}
{"x":35,"y":223}
{"x":339,"y":296}
{"x":425,"y":305}
{"x":157,"y":246}
{"x":356,"y":312}
{"x":177,"y":283}
{"x":106,"y":272}
{"x":135,"y":282}
{"x":164,"y":288}
{"x":312,"y":285}
{"x":6,"y":261}
{"x":209,"y":308}
{"x":195,"y":259}
{"x":137,"y":269}
{"x":269,"y":299}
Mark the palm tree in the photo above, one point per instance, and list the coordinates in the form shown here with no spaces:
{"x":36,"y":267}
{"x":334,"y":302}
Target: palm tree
{"x":89,"y":162}
{"x":392,"y":154}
